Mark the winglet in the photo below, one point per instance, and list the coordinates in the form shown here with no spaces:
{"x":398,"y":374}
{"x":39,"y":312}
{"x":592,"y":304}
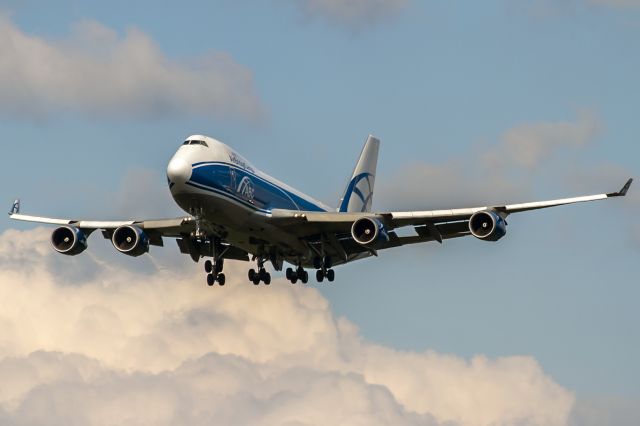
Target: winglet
{"x":623,"y":191}
{"x":15,"y":209}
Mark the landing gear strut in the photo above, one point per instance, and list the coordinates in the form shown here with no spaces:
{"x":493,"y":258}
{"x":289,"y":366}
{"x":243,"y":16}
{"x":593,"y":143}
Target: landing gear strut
{"x":260,"y":275}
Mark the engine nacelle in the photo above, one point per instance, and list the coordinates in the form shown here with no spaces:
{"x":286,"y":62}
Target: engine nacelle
{"x":130,"y":240}
{"x":69,"y":240}
{"x":487,"y":225}
{"x":369,"y":232}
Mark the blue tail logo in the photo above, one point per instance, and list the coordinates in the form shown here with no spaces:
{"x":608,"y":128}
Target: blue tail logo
{"x":362,"y":187}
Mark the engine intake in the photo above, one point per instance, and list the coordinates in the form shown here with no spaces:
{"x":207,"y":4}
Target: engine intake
{"x":369,"y":232}
{"x":69,"y":240}
{"x":130,"y":240}
{"x":487,"y":225}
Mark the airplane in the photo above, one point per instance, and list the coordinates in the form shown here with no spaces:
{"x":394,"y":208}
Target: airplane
{"x":237,"y":212}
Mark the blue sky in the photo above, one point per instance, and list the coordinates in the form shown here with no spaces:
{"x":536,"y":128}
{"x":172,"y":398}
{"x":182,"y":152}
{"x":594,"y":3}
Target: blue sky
{"x":495,"y":100}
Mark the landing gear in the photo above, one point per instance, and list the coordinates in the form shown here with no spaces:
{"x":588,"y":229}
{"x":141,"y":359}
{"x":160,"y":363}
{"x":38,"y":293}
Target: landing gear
{"x":212,"y":278}
{"x":214,"y":268}
{"x":324,"y":270}
{"x":260,"y":275}
{"x":298,"y":274}
{"x":331,"y":275}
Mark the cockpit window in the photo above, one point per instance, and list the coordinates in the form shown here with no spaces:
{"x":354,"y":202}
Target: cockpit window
{"x":195,"y":142}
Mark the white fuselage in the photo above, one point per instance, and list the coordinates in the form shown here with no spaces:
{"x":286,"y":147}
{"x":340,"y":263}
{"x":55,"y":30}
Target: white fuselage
{"x":209,"y":180}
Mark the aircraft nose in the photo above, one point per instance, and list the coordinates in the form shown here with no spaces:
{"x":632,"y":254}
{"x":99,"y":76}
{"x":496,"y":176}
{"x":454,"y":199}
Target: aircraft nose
{"x":178,"y":171}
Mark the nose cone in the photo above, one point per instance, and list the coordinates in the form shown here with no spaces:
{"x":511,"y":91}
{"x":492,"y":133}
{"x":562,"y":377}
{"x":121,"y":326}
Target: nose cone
{"x":178,"y":171}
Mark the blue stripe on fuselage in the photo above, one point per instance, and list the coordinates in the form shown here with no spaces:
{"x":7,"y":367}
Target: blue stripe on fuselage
{"x":246,"y":187}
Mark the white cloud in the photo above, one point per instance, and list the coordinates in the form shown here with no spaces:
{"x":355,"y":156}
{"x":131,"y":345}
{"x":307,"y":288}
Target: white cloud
{"x":160,"y":347}
{"x":100,"y":72}
{"x":528,"y":145}
{"x":353,"y":12}
{"x":493,"y":173}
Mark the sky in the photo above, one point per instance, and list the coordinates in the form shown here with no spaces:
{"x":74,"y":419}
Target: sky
{"x":475,"y":103}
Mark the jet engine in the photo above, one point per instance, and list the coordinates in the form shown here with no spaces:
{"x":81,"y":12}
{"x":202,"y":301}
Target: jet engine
{"x":69,"y":240}
{"x":130,"y":240}
{"x":369,"y":232}
{"x":487,"y":225}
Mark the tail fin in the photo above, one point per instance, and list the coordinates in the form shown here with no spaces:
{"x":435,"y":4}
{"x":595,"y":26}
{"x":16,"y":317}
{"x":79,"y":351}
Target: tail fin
{"x":359,"y":193}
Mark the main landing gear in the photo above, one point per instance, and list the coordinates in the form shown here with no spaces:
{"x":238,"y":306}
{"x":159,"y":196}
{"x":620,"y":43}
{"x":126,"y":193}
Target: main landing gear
{"x":260,"y":275}
{"x":323,"y":266}
{"x":214,"y":272}
{"x":213,"y":267}
{"x":298,"y":274}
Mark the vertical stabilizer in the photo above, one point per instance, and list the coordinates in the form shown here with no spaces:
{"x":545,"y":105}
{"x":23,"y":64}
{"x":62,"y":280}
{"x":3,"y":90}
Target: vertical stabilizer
{"x":359,"y":193}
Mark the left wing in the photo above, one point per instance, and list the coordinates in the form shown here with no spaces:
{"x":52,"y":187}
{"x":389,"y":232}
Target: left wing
{"x":430,"y":225}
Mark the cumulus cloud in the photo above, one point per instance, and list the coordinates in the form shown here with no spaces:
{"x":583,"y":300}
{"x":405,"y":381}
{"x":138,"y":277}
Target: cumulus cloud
{"x":99,"y":71}
{"x":528,"y":145}
{"x":162,"y":348}
{"x":493,"y":173}
{"x":352,"y":12}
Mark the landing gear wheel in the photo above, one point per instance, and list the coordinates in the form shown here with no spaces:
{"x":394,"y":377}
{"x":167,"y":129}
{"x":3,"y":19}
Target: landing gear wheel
{"x":305,"y":277}
{"x":252,"y":275}
{"x":294,"y":280}
{"x":208,"y":266}
{"x":267,"y":278}
{"x":210,"y":279}
{"x":317,"y":262}
{"x":331,"y":275}
{"x":289,"y":273}
{"x":256,"y":280}
{"x":221,"y":279}
{"x":328,"y":262}
{"x":319,"y":275}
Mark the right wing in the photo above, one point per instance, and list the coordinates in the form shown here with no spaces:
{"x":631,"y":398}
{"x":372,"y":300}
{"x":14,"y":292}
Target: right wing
{"x":163,"y":227}
{"x":179,"y":228}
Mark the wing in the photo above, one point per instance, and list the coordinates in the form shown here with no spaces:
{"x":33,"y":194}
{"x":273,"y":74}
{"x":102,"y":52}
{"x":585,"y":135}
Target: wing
{"x":333,"y":229}
{"x":156,"y":229}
